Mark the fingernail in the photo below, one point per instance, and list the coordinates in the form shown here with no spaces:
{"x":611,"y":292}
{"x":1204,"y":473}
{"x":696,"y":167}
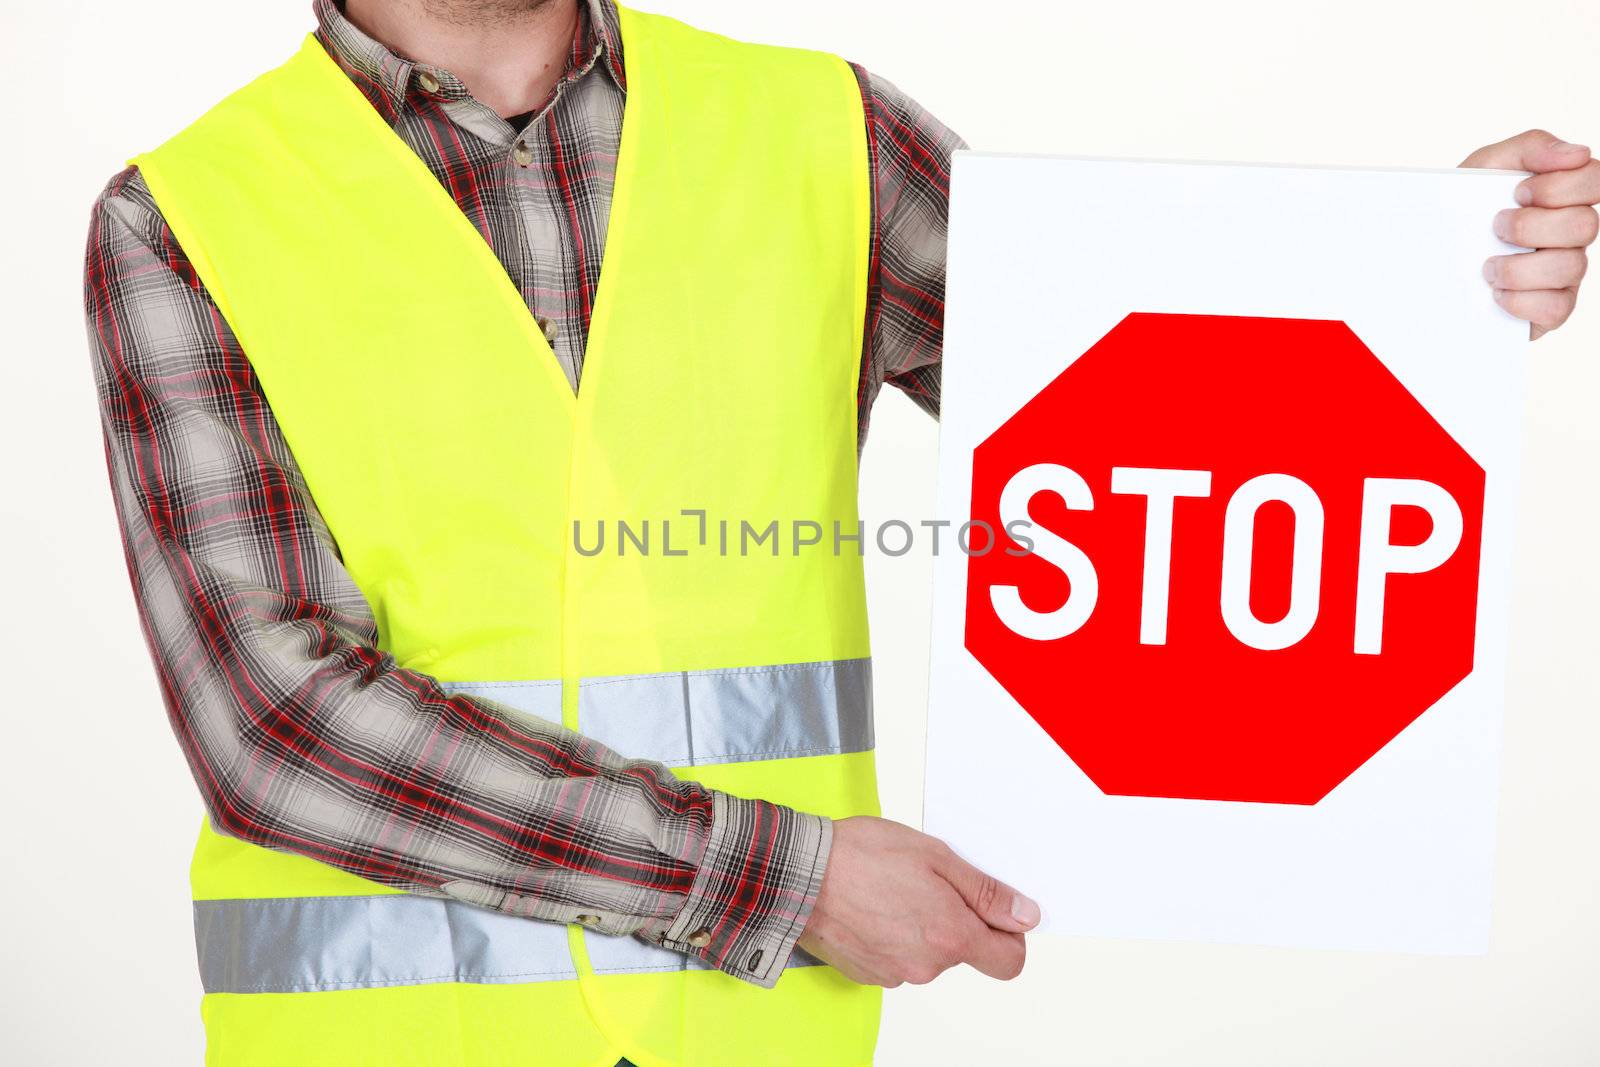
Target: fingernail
{"x":1524,"y":193}
{"x":1502,"y":223}
{"x":1568,"y":146}
{"x":1024,"y":910}
{"x":1491,"y":269}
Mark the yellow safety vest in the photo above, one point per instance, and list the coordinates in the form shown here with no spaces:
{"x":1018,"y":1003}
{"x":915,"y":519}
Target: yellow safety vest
{"x":450,"y":458}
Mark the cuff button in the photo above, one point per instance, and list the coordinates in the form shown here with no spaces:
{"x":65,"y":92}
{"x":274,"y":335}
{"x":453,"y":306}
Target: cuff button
{"x":589,"y":920}
{"x":700,"y":938}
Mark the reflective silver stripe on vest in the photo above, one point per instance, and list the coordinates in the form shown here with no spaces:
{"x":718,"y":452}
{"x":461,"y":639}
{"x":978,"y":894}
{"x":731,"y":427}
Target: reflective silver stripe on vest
{"x":629,"y":955}
{"x":300,"y":944}
{"x":695,"y":718}
{"x":683,"y":719}
{"x":310,"y":944}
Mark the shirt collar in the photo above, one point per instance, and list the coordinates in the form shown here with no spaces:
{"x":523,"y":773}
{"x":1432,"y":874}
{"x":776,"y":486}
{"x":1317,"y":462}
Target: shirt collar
{"x":604,"y":24}
{"x":386,"y":78}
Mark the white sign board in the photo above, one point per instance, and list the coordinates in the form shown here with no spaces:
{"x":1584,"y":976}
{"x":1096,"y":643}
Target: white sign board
{"x":1231,"y":665}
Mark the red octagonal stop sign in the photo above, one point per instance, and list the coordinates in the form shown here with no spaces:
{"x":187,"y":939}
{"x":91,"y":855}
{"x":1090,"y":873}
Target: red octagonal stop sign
{"x":1254,"y":558}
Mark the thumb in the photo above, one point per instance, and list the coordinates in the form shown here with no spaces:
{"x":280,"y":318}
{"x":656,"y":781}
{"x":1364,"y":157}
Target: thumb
{"x":996,"y":903}
{"x":1535,"y":150}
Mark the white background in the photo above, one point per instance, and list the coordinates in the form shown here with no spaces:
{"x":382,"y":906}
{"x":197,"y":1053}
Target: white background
{"x":98,"y":811}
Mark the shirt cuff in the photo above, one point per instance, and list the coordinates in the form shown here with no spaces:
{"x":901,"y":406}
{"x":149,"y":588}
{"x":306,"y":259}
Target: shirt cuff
{"x":755,"y":889}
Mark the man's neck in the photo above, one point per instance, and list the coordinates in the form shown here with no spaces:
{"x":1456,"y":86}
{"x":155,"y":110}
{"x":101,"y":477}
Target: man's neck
{"x":509,"y":53}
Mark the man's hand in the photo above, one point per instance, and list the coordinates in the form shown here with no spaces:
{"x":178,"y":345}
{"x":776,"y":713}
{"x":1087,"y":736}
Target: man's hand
{"x":1557,"y":219}
{"x":898,"y":906}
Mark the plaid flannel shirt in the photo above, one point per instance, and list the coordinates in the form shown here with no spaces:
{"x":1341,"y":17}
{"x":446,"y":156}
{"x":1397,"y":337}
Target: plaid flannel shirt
{"x":297,"y":727}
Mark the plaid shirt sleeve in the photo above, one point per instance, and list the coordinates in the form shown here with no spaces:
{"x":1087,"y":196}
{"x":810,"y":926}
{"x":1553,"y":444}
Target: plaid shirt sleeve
{"x":304,"y":737}
{"x":911,"y":152}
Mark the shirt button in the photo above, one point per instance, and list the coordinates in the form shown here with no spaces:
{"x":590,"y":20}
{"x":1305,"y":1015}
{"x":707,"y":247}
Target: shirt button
{"x":547,"y":327}
{"x":522,"y":154}
{"x":589,"y":920}
{"x":427,"y":82}
{"x":700,"y":938}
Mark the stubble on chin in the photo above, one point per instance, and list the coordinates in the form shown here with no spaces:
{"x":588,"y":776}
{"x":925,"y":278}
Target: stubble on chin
{"x":482,"y":12}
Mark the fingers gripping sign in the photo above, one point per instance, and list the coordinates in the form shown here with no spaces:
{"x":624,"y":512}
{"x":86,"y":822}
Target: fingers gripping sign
{"x":1557,"y":221}
{"x":899,"y":906}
